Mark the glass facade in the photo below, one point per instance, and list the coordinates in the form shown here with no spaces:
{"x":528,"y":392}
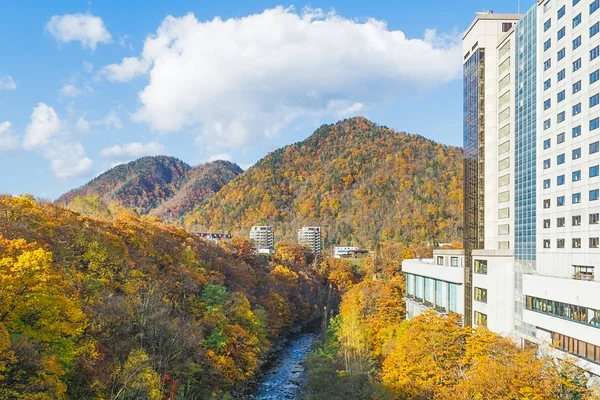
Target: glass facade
{"x":473,"y":159}
{"x":434,"y":293}
{"x":525,"y":160}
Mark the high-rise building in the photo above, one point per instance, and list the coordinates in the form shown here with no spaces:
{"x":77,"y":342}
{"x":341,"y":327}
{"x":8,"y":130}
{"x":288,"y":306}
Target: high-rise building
{"x":532,"y":178}
{"x":263,"y":237}
{"x":310,"y":236}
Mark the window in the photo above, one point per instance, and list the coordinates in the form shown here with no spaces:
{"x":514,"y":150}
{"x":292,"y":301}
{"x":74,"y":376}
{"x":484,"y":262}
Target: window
{"x":547,"y":104}
{"x":576,"y":242}
{"x":504,"y":148}
{"x":547,"y":203}
{"x":547,"y":44}
{"x":594,"y":5}
{"x":503,"y":197}
{"x":576,"y":220}
{"x":440,"y":260}
{"x":576,"y":64}
{"x":504,"y":180}
{"x":576,"y":199}
{"x":561,"y":12}
{"x":577,"y":42}
{"x":547,"y":164}
{"x":546,"y":223}
{"x":547,"y":124}
{"x":546,"y":183}
{"x":576,"y":87}
{"x":561,"y":54}
{"x":594,"y":123}
{"x":594,"y":171}
{"x":560,"y":222}
{"x":594,"y":53}
{"x":560,"y":201}
{"x":583,"y":272}
{"x":504,"y":229}
{"x":576,"y":176}
{"x":560,"y":117}
{"x":560,"y":159}
{"x":594,"y":195}
{"x":594,"y":29}
{"x":560,"y":180}
{"x":547,"y":24}
{"x":576,"y":153}
{"x":577,"y":109}
{"x":560,"y":96}
{"x":480,"y":319}
{"x":560,"y":138}
{"x":506,"y":26}
{"x":481,"y":267}
{"x":546,"y":243}
{"x":547,"y":64}
{"x":454,"y":261}
{"x":577,"y":20}
{"x":594,"y":147}
{"x":561,"y":75}
{"x":504,"y":213}
{"x":594,"y":243}
{"x":561,"y":33}
{"x":546,"y":144}
{"x":575,"y":2}
{"x":547,"y":84}
{"x":594,"y":100}
{"x":503,"y":164}
{"x":576,"y":131}
{"x":594,"y":76}
{"x":594,"y":219}
{"x":560,"y":243}
{"x":481,"y":295}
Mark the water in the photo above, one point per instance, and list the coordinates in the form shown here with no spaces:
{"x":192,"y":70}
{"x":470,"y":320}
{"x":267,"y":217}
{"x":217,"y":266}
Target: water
{"x":283,"y":380}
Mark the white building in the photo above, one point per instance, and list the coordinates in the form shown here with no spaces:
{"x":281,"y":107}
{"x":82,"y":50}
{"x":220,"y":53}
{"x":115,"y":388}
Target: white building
{"x":310,"y":236}
{"x":532,"y":177}
{"x":339,"y":251}
{"x":263,"y":238}
{"x":435,"y":283}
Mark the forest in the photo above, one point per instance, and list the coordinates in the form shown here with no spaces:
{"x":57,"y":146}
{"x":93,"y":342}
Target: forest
{"x":369,"y":351}
{"x":125,"y":307}
{"x":364,"y":184}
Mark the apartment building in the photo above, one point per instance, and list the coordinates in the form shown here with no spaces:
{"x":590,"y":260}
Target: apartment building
{"x":532,"y":178}
{"x":263,"y":238}
{"x":310,"y":236}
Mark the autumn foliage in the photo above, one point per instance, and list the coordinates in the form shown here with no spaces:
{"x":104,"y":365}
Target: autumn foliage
{"x":130,"y":308}
{"x":362,"y":183}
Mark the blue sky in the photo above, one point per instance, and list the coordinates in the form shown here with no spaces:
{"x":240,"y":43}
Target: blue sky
{"x":261,"y":76}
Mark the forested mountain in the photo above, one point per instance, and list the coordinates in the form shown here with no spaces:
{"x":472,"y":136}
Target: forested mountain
{"x":162,"y":186}
{"x":361,"y":182}
{"x":130,"y":308}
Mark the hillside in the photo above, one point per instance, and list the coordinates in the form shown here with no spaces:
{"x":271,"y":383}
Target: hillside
{"x":361,"y":182}
{"x":94,"y":307}
{"x":162,"y":186}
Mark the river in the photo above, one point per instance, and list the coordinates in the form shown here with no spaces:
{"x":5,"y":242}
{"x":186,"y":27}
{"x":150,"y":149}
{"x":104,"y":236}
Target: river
{"x":286,"y":375}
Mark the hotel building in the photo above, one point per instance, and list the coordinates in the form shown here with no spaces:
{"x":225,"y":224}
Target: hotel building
{"x":532,"y":178}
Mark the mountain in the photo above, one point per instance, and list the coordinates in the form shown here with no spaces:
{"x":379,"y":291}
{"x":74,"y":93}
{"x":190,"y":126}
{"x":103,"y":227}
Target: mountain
{"x":361,"y":182}
{"x":162,"y":186}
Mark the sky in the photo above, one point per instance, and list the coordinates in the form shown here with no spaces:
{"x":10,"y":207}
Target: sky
{"x":87,"y":85}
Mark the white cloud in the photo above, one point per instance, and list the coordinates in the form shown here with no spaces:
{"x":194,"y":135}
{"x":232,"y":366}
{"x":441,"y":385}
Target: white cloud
{"x":72,"y":90}
{"x":7,"y":83}
{"x":352,"y":110}
{"x":83,"y":125}
{"x":86,"y":29}
{"x":44,"y":126}
{"x":68,"y":160}
{"x":242,"y":80}
{"x":133,"y":150}
{"x":7,"y":140}
{"x":88,"y":67}
{"x":48,"y":134}
{"x":220,"y":156}
{"x":112,"y":120}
